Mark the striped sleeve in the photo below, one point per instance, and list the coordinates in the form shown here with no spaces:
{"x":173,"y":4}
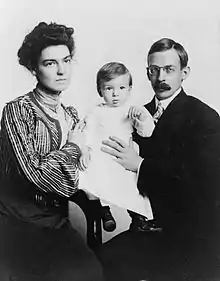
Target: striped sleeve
{"x":55,"y":171}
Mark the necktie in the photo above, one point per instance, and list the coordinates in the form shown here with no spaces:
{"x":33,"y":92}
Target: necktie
{"x":158,"y":113}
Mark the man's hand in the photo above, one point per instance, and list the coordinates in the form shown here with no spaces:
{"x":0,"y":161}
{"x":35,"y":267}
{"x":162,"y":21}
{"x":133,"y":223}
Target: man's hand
{"x":124,"y":154}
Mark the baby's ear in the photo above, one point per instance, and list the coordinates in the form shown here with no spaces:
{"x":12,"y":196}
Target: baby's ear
{"x":85,"y":119}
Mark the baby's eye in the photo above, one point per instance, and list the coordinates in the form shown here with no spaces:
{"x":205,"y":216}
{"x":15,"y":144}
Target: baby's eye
{"x":108,"y":88}
{"x":122,"y":87}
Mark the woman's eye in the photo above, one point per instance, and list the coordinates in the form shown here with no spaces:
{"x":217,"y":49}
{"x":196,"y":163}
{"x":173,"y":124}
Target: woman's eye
{"x":67,"y":60}
{"x":50,"y":63}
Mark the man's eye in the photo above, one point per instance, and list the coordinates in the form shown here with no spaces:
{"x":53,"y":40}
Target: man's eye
{"x":153,"y":70}
{"x":169,"y":69}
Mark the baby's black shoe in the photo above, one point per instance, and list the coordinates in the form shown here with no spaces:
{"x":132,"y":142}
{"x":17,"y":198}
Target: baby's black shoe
{"x":108,"y":221}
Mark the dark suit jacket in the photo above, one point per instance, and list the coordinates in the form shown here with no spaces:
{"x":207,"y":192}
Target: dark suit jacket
{"x":181,"y":168}
{"x":181,"y":175}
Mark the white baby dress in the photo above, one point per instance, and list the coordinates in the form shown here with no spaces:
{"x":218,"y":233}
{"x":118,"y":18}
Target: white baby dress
{"x":104,"y":177}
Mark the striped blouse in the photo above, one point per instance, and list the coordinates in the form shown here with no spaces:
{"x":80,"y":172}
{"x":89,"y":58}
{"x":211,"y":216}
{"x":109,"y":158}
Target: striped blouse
{"x":35,"y":140}
{"x":38,"y":175}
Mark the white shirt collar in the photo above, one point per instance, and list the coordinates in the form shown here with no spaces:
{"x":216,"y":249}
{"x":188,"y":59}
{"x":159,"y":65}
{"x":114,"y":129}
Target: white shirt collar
{"x":167,"y":101}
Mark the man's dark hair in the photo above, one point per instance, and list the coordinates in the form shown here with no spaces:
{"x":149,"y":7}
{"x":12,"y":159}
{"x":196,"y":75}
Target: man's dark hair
{"x":41,"y":37}
{"x":110,"y":71}
{"x":165,"y":44}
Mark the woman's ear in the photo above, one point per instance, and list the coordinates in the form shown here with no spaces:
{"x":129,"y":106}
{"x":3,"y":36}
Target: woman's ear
{"x":185,"y":72}
{"x":34,"y":71}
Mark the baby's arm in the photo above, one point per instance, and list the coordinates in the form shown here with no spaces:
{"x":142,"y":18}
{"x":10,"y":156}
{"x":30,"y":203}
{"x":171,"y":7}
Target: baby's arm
{"x":86,"y":150}
{"x":142,"y":120}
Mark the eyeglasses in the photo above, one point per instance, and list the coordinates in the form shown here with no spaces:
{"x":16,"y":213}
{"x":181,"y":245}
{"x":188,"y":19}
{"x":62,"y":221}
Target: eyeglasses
{"x":155,"y":70}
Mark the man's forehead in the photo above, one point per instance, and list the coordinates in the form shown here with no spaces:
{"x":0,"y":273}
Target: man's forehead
{"x":168,"y":57}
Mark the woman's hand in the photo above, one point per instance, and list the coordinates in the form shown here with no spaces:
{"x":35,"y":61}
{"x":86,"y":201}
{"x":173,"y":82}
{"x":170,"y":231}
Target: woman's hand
{"x":84,"y":158}
{"x":77,"y":135}
{"x":124,"y":154}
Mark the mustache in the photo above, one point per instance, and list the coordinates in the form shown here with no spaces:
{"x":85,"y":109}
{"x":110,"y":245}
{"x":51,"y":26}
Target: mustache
{"x":162,"y":86}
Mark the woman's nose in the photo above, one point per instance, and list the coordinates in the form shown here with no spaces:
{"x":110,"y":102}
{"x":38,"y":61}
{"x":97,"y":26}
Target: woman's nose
{"x":60,"y":68}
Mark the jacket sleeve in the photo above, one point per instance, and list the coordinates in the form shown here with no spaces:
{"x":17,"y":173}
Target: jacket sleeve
{"x":55,"y":171}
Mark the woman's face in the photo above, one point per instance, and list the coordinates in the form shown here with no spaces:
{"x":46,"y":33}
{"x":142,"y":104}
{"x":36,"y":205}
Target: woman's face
{"x":54,"y":68}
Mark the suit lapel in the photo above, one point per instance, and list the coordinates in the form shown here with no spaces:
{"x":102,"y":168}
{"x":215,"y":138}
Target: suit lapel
{"x":151,"y":106}
{"x":172,"y":117}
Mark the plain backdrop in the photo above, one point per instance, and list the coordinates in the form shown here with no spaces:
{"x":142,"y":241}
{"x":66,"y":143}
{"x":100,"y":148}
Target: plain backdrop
{"x":116,"y":30}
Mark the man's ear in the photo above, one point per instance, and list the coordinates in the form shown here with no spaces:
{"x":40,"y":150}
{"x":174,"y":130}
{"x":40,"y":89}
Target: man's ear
{"x":148,"y":74}
{"x":185,"y":72}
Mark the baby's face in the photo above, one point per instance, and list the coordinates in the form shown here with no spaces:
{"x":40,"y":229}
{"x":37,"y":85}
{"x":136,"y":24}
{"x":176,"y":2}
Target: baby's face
{"x":116,"y":91}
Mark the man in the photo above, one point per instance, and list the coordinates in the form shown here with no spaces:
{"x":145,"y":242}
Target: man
{"x":179,"y":170}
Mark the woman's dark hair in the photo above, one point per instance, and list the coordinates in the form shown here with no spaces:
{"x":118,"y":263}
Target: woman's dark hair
{"x":165,"y":44}
{"x":41,"y":37}
{"x":108,"y":72}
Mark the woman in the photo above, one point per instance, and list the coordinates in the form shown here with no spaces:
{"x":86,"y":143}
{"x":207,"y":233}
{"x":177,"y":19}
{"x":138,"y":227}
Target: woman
{"x":40,"y":149}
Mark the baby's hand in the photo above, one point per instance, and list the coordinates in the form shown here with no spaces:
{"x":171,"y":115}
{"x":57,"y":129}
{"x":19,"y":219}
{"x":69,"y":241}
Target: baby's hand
{"x":138,"y":113}
{"x":84,"y":158}
{"x":142,"y":120}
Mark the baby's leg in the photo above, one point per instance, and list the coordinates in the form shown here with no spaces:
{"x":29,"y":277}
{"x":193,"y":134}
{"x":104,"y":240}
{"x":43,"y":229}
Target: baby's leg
{"x":108,"y":221}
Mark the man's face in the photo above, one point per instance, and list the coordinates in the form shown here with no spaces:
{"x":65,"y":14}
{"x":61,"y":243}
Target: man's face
{"x":165,"y":73}
{"x":54,"y":68}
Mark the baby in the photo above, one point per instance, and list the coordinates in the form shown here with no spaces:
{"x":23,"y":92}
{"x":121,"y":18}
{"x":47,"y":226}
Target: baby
{"x":102,"y":176}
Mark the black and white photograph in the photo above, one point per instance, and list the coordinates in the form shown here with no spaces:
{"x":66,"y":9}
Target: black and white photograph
{"x":110,"y":140}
